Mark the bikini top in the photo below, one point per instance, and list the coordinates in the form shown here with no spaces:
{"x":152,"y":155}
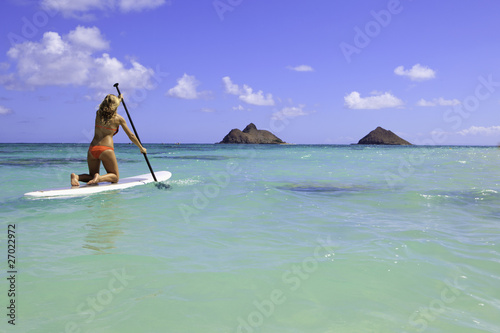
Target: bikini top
{"x":116,"y":130}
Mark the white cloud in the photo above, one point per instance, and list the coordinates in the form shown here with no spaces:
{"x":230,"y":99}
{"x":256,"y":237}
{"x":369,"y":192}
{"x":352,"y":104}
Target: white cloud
{"x":416,"y":73}
{"x":83,"y":9}
{"x":423,"y":102}
{"x":88,"y":38}
{"x":479,"y":130}
{"x":9,"y":81}
{"x":71,"y":60}
{"x":231,"y":88}
{"x":78,"y":8}
{"x":438,"y":102}
{"x":207,"y":110}
{"x":257,"y":98}
{"x":139,"y":5}
{"x":381,"y":101}
{"x":240,"y":108}
{"x":246,"y":93}
{"x":4,"y":110}
{"x":301,"y":68}
{"x":186,"y":88}
{"x":107,"y":71}
{"x":289,"y":112}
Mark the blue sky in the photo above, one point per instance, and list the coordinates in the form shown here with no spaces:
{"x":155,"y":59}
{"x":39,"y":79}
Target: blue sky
{"x":322,"y":71}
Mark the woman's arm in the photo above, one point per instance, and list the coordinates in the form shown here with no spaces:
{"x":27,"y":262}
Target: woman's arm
{"x":131,"y":135}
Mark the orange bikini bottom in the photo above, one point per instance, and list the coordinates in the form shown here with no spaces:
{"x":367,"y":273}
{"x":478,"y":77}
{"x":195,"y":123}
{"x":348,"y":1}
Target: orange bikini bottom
{"x":96,"y":151}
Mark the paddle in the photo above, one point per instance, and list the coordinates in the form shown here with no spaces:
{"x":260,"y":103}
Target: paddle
{"x":158,"y":185}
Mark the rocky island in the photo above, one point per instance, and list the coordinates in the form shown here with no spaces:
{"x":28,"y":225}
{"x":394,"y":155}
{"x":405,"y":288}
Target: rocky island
{"x":251,"y":135}
{"x":380,"y":136}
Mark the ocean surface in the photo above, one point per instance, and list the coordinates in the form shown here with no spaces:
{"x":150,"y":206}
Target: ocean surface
{"x":251,"y":238}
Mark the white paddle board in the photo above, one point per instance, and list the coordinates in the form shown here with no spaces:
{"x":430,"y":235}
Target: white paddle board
{"x":85,"y":189}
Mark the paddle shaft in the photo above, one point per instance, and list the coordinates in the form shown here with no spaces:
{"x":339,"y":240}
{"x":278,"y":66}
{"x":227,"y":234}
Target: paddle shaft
{"x":135,"y":132}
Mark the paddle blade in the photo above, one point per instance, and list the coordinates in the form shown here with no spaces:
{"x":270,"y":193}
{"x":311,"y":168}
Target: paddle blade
{"x":162,"y":186}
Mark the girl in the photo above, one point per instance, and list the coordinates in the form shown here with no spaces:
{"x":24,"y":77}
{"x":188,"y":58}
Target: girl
{"x":107,"y":122}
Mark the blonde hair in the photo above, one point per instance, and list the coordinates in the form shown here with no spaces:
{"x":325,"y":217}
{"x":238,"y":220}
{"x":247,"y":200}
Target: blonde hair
{"x":108,"y":107}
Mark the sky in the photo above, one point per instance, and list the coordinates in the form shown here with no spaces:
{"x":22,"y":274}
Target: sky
{"x":311,"y":72}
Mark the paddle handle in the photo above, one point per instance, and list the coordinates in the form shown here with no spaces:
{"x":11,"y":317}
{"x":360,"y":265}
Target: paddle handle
{"x":135,"y":132}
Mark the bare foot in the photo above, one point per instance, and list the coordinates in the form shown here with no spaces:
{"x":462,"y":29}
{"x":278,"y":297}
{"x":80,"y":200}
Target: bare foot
{"x":74,"y":180}
{"x":94,"y":180}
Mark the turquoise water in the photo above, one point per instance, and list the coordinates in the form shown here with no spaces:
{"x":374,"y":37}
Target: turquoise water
{"x":289,"y":238}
